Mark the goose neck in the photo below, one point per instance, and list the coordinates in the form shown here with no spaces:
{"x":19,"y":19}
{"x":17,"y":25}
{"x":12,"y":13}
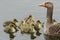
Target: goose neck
{"x":49,"y":15}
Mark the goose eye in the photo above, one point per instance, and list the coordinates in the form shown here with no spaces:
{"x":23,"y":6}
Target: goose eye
{"x":47,"y":3}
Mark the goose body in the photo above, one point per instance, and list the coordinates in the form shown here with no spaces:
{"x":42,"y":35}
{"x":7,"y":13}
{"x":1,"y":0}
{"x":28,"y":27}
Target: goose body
{"x":49,"y":27}
{"x":53,"y":22}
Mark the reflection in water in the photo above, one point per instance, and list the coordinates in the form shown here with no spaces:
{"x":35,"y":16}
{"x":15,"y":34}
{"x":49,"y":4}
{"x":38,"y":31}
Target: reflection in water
{"x":11,"y":38}
{"x":49,"y":37}
{"x":32,"y":38}
{"x":38,"y":33}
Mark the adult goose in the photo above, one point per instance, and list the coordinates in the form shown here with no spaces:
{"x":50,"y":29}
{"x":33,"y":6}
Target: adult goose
{"x":49,"y":27}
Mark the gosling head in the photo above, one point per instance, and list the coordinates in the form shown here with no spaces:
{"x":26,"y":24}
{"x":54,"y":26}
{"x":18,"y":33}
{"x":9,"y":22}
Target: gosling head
{"x":15,"y":20}
{"x":38,"y":21}
{"x":33,"y":25}
{"x":23,"y":22}
{"x":30,"y":16}
{"x":54,"y":20}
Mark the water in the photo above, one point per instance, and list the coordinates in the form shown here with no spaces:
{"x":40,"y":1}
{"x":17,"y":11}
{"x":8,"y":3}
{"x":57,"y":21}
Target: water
{"x":10,"y":9}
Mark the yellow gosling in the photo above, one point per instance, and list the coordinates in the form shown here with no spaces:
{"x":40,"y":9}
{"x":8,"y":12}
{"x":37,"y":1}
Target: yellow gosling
{"x":37,"y":24}
{"x":10,"y":30}
{"x":10,"y":27}
{"x":37,"y":27}
{"x":14,"y":22}
{"x":27,"y":28}
{"x":30,"y":19}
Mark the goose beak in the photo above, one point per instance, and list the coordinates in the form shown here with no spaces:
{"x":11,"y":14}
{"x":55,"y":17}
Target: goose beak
{"x":42,"y":4}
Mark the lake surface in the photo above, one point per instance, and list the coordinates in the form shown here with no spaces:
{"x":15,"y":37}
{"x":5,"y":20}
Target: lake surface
{"x":18,"y":9}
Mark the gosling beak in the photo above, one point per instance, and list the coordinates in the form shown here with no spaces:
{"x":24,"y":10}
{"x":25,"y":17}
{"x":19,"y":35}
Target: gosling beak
{"x":42,"y":4}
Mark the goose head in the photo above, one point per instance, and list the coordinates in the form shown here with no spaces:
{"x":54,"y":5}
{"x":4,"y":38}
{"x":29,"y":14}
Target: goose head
{"x":47,"y":4}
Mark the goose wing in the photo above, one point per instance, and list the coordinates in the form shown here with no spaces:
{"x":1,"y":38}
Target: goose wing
{"x":55,"y":29}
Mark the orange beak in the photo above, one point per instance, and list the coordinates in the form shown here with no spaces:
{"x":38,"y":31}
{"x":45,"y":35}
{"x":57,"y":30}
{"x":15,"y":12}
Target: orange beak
{"x":42,"y":4}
